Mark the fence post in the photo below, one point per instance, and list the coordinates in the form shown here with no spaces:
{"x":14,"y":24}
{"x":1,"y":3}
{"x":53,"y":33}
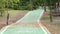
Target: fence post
{"x":7,"y":18}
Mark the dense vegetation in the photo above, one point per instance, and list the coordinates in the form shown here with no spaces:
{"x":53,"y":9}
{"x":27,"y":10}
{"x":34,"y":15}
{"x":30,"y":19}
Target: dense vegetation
{"x":25,"y":4}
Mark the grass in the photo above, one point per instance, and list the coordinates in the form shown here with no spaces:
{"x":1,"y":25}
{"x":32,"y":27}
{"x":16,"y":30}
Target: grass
{"x":11,"y":13}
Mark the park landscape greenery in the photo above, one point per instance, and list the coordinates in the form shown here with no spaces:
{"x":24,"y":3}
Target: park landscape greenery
{"x":24,"y":4}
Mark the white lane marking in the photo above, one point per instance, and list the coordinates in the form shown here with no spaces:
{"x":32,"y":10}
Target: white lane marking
{"x":4,"y":29}
{"x":45,"y":30}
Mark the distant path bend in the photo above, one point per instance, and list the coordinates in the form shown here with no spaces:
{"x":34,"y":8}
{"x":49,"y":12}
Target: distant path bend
{"x":29,"y":24}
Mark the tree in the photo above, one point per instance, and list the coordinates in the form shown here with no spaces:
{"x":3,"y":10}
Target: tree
{"x":2,"y":6}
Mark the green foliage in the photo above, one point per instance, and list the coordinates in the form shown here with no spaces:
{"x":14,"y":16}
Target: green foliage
{"x":25,"y":4}
{"x":2,"y":4}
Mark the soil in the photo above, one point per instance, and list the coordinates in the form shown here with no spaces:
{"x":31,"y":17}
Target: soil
{"x":53,"y":27}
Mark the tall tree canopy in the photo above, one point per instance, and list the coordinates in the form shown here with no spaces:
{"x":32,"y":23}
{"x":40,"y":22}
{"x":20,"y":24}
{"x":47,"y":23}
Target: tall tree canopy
{"x":25,"y":4}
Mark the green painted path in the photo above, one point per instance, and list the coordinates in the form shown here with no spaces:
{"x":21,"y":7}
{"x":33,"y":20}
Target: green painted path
{"x":29,"y":24}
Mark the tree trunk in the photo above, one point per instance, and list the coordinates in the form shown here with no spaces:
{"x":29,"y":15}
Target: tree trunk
{"x":31,"y":8}
{"x":45,"y":8}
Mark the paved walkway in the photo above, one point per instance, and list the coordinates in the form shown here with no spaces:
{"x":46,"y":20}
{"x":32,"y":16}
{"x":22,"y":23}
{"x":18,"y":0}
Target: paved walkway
{"x":29,"y":24}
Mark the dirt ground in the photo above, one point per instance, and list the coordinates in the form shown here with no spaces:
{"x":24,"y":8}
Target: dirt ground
{"x":53,"y":27}
{"x":12,"y":19}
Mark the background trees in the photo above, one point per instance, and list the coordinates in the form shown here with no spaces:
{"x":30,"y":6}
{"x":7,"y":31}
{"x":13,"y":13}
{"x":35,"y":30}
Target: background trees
{"x":25,"y":4}
{"x":2,"y":6}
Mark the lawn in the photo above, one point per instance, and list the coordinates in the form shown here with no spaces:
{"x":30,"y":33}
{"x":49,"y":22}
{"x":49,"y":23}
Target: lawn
{"x":11,"y":12}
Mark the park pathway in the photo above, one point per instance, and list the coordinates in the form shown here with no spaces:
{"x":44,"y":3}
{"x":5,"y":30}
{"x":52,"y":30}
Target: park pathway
{"x":29,"y":24}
